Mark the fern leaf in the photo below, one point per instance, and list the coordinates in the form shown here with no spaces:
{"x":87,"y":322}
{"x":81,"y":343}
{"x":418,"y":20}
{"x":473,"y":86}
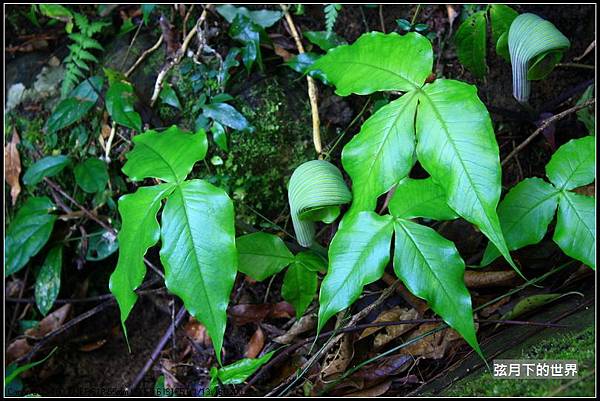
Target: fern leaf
{"x":331,"y":14}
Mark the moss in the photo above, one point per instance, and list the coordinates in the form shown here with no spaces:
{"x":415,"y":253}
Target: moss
{"x":257,"y":167}
{"x":578,"y":346}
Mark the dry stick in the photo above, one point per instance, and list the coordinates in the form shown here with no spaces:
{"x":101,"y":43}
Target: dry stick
{"x":576,"y":65}
{"x":312,"y":87}
{"x":178,"y":56}
{"x":185,"y":20}
{"x":143,"y":56}
{"x":381,"y":19}
{"x":591,"y":47}
{"x":544,"y":125}
{"x":159,"y":347}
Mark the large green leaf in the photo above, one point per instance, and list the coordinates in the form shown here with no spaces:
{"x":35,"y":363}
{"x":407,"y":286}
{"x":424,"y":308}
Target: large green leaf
{"x":28,"y":233}
{"x":314,"y":184}
{"x":299,"y":287}
{"x":457,"y":146}
{"x":199,"y":254}
{"x":262,"y":255}
{"x":246,"y":31}
{"x":358,"y":255}
{"x":420,"y":198}
{"x":264,"y":18}
{"x":573,"y":164}
{"x":382,"y":153}
{"x":431,"y":268}
{"x":79,"y":102}
{"x":47,"y":282}
{"x":226,"y":115}
{"x":525,"y":213}
{"x":120,"y":99}
{"x":311,"y":261}
{"x":501,"y":16}
{"x":575,"y":230}
{"x":471,"y":43}
{"x":91,"y":175}
{"x":139,"y":231}
{"x":47,"y":167}
{"x":378,"y":62}
{"x":168,"y":156}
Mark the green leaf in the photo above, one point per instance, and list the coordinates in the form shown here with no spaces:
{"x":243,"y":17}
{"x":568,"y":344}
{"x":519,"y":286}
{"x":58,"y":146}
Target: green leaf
{"x":261,"y":255}
{"x":382,"y":153}
{"x":326,"y":214}
{"x":219,"y":136}
{"x":311,"y":261}
{"x":47,"y":283}
{"x":247,"y":32}
{"x":91,"y":175}
{"x":120,"y":98}
{"x":199,"y":254}
{"x":79,"y":102}
{"x":101,"y":245}
{"x":237,"y":372}
{"x":264,"y":18}
{"x":168,"y":156}
{"x":358,"y":254}
{"x":314,"y":184}
{"x":420,"y":198}
{"x":471,"y":43}
{"x":586,"y":116}
{"x":457,"y":146}
{"x":525,"y":213}
{"x":575,"y":231}
{"x":47,"y":167}
{"x":28,"y":233}
{"x":502,"y":47}
{"x":534,"y":302}
{"x":168,"y":96}
{"x":431,"y":268}
{"x":530,"y":36}
{"x":299,"y":287}
{"x":146,"y":11}
{"x":331,"y":14}
{"x":226,"y":115}
{"x":17,"y":371}
{"x":324,"y":40}
{"x":139,"y":231}
{"x":501,"y":16}
{"x":573,"y":164}
{"x":390,"y":61}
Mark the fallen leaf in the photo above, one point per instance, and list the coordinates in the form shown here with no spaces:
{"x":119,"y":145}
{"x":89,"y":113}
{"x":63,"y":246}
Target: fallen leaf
{"x":281,"y":52}
{"x":374,"y":391}
{"x":283,"y":310}
{"x":433,"y":346}
{"x":17,"y":349}
{"x":388,"y":366}
{"x":588,"y":190}
{"x":392,"y":315}
{"x":50,"y":323}
{"x":452,"y":14}
{"x":92,"y":346}
{"x":256,"y":344}
{"x":197,"y":332}
{"x":242,"y":314}
{"x":482,"y":279}
{"x":338,"y":358}
{"x":304,"y":324}
{"x":491,"y":309}
{"x":12,"y":166}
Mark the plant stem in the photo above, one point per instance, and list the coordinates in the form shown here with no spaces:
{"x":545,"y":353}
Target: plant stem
{"x":414,"y":18}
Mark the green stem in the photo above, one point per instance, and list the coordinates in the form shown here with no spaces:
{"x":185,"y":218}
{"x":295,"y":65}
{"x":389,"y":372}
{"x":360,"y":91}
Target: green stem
{"x":414,"y":18}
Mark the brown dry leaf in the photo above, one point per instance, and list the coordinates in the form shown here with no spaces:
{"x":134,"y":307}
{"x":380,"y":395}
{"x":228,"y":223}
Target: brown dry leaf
{"x":338,"y":358}
{"x":197,"y":332}
{"x":255,"y":313}
{"x":374,"y":391}
{"x":282,"y":310}
{"x":433,"y":346}
{"x":388,"y":366}
{"x":92,"y":346}
{"x":281,"y":52}
{"x":12,"y":166}
{"x":588,"y":190}
{"x":452,"y":14}
{"x":50,"y":323}
{"x":306,"y":323}
{"x":13,"y":287}
{"x":256,"y":344}
{"x":105,"y":131}
{"x":491,"y":309}
{"x":482,"y":279}
{"x":392,"y":315}
{"x":390,"y":333}
{"x":17,"y":349}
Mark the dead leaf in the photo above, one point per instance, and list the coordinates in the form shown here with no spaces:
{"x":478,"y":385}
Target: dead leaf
{"x":283,"y":310}
{"x":388,"y":366}
{"x":281,"y":52}
{"x":17,"y":349}
{"x":92,"y":346}
{"x":12,"y":166}
{"x":50,"y":323}
{"x":588,"y":190}
{"x":392,"y":315}
{"x":197,"y":332}
{"x":374,"y":391}
{"x":255,"y":313}
{"x":256,"y":344}
{"x":491,"y":309}
{"x":13,"y":287}
{"x":304,"y":324}
{"x":452,"y":14}
{"x":105,"y":131}
{"x":338,"y":358}
{"x":482,"y":279}
{"x":433,"y":346}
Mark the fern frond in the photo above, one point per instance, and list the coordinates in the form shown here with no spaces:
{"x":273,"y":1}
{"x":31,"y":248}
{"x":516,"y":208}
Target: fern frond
{"x":331,"y":14}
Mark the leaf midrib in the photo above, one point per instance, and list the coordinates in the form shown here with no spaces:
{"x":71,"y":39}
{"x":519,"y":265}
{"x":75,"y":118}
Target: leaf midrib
{"x":583,"y":221}
{"x":415,"y":86}
{"x":144,"y":144}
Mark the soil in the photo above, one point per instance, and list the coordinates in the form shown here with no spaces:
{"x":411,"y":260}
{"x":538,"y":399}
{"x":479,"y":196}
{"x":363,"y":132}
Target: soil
{"x":111,"y":367}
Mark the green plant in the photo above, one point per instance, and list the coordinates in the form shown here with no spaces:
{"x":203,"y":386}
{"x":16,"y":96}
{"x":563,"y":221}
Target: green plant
{"x":79,"y":51}
{"x":445,"y":126}
{"x":331,"y":14}
{"x":528,"y":208}
{"x":197,"y":229}
{"x":535,"y":46}
{"x":471,"y":36}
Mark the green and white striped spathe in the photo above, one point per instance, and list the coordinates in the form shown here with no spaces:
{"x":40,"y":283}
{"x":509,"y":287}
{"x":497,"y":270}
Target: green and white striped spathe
{"x":315,"y":184}
{"x":530,"y":36}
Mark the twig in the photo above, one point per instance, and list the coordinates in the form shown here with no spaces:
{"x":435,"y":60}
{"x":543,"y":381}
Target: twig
{"x":381,"y":20}
{"x":137,"y":32}
{"x":178,"y":56}
{"x":414,"y":18}
{"x":544,"y":125}
{"x":591,"y":47}
{"x":185,"y":20}
{"x":312,"y":87}
{"x":143,"y":56}
{"x":157,"y":350}
{"x":113,"y":130}
{"x":576,"y":65}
